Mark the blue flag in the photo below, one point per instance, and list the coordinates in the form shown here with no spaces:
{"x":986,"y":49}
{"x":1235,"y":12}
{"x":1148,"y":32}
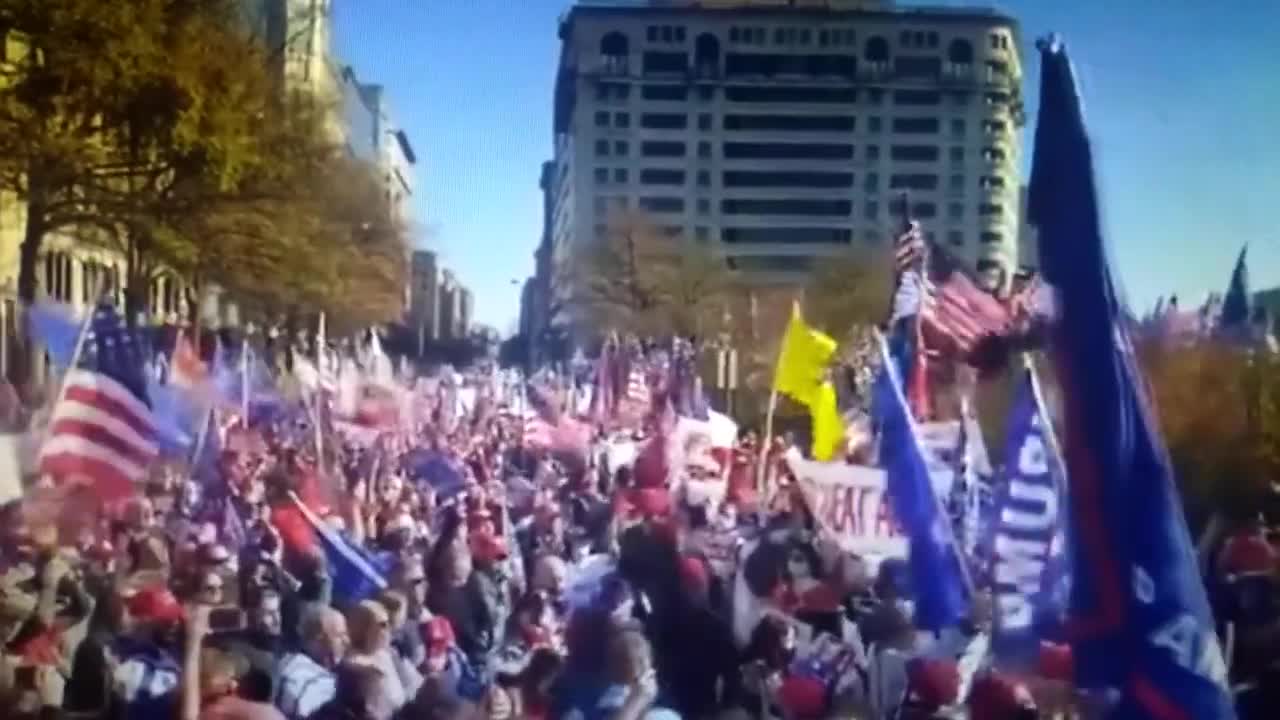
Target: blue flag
{"x":1142,"y":631}
{"x":357,"y":575}
{"x":54,"y":324}
{"x":941,"y":592}
{"x":1025,"y":542}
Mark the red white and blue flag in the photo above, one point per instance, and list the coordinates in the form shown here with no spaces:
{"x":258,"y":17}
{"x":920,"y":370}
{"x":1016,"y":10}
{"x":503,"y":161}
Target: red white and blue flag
{"x":102,"y":429}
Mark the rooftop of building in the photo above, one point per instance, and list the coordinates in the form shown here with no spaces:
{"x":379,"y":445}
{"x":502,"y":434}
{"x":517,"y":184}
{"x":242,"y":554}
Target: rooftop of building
{"x":868,"y":9}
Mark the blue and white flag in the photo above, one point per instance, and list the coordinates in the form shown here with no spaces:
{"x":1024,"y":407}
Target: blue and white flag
{"x":1026,"y":533}
{"x":937,"y":576}
{"x":356,"y":574}
{"x":1142,"y":633}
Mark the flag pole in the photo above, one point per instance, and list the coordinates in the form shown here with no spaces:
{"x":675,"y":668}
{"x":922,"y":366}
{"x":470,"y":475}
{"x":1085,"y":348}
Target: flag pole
{"x":77,"y":351}
{"x":762,"y":465}
{"x":244,"y":380}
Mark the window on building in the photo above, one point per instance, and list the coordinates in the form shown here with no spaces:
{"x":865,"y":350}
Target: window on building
{"x":914,"y":153}
{"x":915,"y":125}
{"x":701,"y":233}
{"x":917,"y":98}
{"x":664,"y":121}
{"x":957,"y":154}
{"x":991,"y":182}
{"x":706,"y":93}
{"x":704,"y":150}
{"x":913,"y":181}
{"x":621,"y":148}
{"x":873,"y":153}
{"x":955,"y":238}
{"x":873,"y":124}
{"x":957,"y":183}
{"x":602,"y":148}
{"x":924,"y":210}
{"x":955,"y":211}
{"x":601,"y":175}
{"x":872,"y":210}
{"x":787,"y":179}
{"x":957,"y":127}
{"x":602,"y":119}
{"x":680,"y":34}
{"x":662,"y":204}
{"x":704,"y":206}
{"x":875,"y":96}
{"x":786,"y":206}
{"x":651,"y":33}
{"x":960,"y":52}
{"x":620,"y":176}
{"x":791,"y":123}
{"x":661,"y":176}
{"x":704,"y":178}
{"x":662,"y":148}
{"x":674,"y":93}
{"x":990,"y":237}
{"x":704,"y":121}
{"x":659,"y":63}
{"x":621,"y":120}
{"x":990,"y":209}
{"x":787,"y":151}
{"x":601,"y":206}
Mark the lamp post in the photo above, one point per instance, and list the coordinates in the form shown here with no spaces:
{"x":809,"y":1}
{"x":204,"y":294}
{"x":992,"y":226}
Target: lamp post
{"x":726,"y":371}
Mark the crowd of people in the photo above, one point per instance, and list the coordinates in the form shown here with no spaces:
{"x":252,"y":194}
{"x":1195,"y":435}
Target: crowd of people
{"x":540,"y":586}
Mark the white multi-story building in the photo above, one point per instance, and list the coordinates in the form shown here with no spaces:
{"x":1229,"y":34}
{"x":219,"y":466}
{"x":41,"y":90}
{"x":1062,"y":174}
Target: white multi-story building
{"x":783,"y":131}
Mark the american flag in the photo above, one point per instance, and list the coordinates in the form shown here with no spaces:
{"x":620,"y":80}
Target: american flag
{"x":909,"y":248}
{"x":536,"y":432}
{"x":102,"y":428}
{"x":961,"y":312}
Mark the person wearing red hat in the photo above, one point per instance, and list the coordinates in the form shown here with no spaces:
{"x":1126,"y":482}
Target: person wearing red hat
{"x":147,"y":673}
{"x":932,"y":684}
{"x":995,"y":696}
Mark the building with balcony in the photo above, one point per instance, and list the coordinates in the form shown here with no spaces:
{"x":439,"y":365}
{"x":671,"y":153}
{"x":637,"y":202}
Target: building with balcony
{"x":783,"y":132}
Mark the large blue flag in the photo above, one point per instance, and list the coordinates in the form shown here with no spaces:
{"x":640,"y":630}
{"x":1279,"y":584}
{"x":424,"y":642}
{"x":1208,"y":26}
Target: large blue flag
{"x":1025,"y":544}
{"x":937,"y":578}
{"x":1142,"y":630}
{"x":357,"y":575}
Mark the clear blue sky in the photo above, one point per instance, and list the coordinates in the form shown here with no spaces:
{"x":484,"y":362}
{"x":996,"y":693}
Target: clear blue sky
{"x":1182,"y":96}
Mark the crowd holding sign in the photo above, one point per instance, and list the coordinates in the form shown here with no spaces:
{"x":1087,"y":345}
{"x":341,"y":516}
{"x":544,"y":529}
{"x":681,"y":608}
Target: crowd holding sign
{"x":327,"y":538}
{"x":849,"y":505}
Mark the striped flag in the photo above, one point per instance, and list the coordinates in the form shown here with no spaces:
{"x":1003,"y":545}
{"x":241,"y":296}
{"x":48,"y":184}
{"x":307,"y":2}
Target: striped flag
{"x":908,"y":248}
{"x":536,"y":431}
{"x":103,"y":429}
{"x":961,"y":313}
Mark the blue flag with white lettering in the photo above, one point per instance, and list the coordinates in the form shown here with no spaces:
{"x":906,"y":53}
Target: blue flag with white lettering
{"x":1142,"y":633}
{"x":1025,"y":541}
{"x":937,"y":578}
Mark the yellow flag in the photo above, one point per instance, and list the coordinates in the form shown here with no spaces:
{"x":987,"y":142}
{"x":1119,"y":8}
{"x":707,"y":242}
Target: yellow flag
{"x":828,"y":426}
{"x":803,"y":360}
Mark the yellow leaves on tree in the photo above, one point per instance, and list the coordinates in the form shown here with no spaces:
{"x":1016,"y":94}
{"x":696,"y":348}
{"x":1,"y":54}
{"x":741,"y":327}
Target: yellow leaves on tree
{"x":1219,"y":411}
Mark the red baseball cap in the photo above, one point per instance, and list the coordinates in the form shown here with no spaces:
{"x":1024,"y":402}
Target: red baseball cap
{"x":437,"y":635}
{"x":155,"y":604}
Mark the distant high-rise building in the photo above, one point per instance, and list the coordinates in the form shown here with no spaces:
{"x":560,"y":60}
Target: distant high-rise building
{"x":424,"y":298}
{"x":782,"y":132}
